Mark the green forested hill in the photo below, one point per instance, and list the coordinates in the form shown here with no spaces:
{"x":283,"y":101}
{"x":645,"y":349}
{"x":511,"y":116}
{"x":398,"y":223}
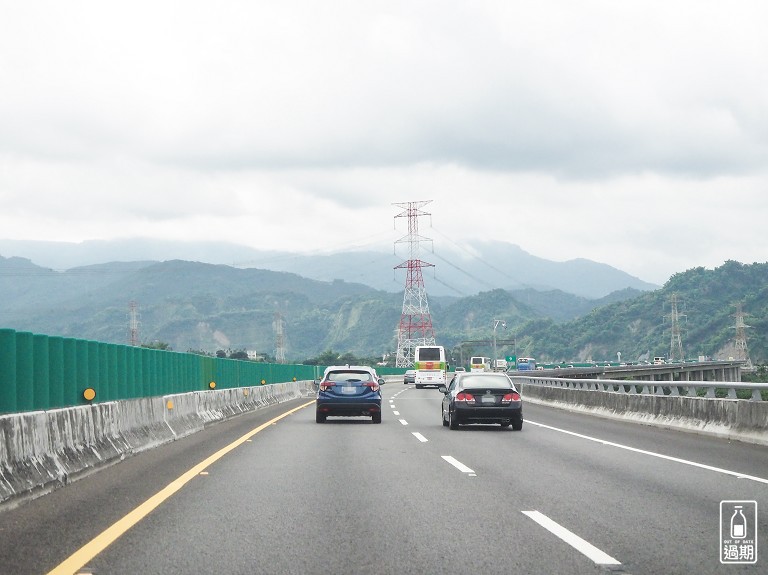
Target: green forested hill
{"x":642,"y":325}
{"x":196,"y":306}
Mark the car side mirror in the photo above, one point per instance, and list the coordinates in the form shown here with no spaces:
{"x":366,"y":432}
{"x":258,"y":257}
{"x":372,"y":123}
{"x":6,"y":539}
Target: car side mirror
{"x":442,"y":389}
{"x":381,"y":381}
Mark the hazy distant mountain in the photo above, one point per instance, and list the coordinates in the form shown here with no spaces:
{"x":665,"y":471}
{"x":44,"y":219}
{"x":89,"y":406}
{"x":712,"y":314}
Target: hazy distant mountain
{"x":198,"y":306}
{"x":189,"y":305}
{"x":481,"y":266}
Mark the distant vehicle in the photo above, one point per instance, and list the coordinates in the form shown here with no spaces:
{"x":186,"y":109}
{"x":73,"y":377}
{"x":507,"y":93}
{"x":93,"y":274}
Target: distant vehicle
{"x":500,"y":365}
{"x":349,"y":391}
{"x":479,"y":363}
{"x":478,"y":397}
{"x":460,"y":369}
{"x":409,"y":376}
{"x":526,"y":364}
{"x":659,"y":361}
{"x":430,"y":365}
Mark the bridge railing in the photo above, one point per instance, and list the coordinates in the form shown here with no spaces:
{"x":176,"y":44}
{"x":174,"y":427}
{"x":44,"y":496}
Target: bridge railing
{"x":672,"y":388}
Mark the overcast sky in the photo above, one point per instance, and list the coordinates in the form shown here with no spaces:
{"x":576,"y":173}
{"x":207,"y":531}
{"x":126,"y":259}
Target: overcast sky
{"x":633,"y":133}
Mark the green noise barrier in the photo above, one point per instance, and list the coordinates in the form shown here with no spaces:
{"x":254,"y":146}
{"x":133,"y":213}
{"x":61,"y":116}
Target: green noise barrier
{"x":40,"y":372}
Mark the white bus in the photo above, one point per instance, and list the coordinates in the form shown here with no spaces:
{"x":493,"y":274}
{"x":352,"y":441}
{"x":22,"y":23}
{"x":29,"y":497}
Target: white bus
{"x":430,"y":365}
{"x":479,"y":363}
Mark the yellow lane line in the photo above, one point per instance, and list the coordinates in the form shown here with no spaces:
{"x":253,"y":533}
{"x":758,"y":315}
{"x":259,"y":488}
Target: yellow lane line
{"x":91,"y":549}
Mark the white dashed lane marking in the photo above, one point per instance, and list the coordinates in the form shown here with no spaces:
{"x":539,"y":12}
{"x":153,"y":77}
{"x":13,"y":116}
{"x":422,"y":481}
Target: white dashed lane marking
{"x":458,"y":464}
{"x":584,"y":547}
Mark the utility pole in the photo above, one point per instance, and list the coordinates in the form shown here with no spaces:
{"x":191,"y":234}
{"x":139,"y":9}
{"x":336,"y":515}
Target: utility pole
{"x":133,"y":324}
{"x":415,"y":326}
{"x":496,"y":324}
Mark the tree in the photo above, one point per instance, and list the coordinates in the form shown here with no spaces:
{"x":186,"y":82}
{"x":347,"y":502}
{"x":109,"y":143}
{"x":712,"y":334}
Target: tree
{"x":158,"y":345}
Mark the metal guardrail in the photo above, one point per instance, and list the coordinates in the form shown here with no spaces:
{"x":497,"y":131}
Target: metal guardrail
{"x":672,"y":388}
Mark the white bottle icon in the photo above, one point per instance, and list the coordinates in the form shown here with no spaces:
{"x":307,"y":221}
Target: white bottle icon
{"x":738,"y":524}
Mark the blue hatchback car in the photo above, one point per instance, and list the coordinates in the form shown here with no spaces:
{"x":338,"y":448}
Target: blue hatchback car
{"x":349,"y":391}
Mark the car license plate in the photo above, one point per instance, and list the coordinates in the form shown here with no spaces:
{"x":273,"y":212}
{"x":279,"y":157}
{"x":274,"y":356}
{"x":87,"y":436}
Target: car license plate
{"x":349,"y":390}
{"x":488,"y":399}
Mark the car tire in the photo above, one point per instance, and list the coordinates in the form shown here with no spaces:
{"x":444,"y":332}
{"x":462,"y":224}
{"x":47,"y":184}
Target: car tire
{"x":453,"y":422}
{"x":442,"y":416}
{"x":517,"y":424}
{"x":419,"y":386}
{"x":319,"y":417}
{"x":376,"y":417}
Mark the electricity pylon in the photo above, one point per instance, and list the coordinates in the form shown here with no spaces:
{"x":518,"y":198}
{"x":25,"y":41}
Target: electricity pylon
{"x":415,"y":326}
{"x":742,"y":352}
{"x":676,"y":342}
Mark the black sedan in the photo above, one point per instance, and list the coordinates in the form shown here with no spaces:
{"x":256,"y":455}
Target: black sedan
{"x":485,"y":397}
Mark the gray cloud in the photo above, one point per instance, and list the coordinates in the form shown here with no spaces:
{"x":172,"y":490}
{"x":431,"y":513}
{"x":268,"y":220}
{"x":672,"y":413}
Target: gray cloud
{"x":622,"y":132}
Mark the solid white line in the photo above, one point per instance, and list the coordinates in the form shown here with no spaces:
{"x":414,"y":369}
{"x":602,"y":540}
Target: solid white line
{"x":457,"y":464}
{"x":419,"y":436}
{"x":653,"y":454}
{"x":572,"y":539}
{"x":404,"y":422}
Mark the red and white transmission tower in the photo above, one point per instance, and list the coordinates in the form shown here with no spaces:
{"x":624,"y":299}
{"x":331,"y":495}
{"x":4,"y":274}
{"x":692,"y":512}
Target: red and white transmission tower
{"x":415,"y":321}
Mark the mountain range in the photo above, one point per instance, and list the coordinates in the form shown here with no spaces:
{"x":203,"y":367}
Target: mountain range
{"x":196,"y":306}
{"x":458,"y":271}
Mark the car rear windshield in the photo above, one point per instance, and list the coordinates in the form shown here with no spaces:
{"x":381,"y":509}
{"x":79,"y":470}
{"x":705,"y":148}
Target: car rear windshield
{"x":499,"y":381}
{"x":350,"y":376}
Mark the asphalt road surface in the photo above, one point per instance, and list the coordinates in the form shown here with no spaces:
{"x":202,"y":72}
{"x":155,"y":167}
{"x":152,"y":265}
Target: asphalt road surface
{"x":274,"y":492}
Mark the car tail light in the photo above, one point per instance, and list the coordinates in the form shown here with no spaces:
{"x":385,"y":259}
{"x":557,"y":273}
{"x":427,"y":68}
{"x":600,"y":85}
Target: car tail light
{"x":510,"y":397}
{"x":326,"y":385}
{"x":467,"y":398}
{"x":373,"y":385}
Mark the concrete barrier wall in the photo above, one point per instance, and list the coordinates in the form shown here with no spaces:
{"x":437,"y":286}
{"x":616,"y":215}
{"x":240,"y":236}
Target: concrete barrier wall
{"x":43,"y":450}
{"x":735,"y":419}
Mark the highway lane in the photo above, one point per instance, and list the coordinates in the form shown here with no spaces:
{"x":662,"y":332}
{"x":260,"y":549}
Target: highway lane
{"x":406,"y":496}
{"x":654,"y":515}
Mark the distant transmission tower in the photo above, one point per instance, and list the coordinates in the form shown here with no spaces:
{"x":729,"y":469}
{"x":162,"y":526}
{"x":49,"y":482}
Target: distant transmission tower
{"x":742,"y":352}
{"x":415,"y":326}
{"x":278,"y":327}
{"x":133,"y":325}
{"x":676,"y":342}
